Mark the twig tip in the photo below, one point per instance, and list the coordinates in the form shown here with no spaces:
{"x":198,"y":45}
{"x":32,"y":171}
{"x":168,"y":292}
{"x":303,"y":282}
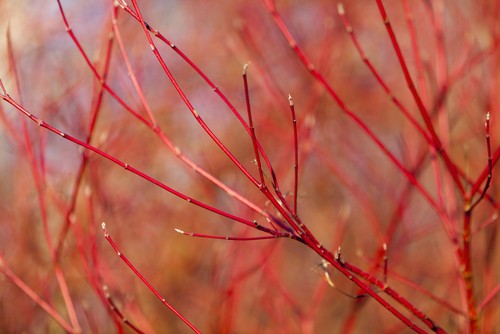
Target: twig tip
{"x":340,"y":8}
{"x":106,"y":234}
{"x":245,"y":67}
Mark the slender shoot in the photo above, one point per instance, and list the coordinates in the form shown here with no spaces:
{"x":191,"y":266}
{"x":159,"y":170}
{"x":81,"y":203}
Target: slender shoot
{"x":144,"y":280}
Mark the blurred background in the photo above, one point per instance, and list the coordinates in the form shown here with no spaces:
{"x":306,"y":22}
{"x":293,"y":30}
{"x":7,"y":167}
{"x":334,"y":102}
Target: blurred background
{"x":350,"y":194}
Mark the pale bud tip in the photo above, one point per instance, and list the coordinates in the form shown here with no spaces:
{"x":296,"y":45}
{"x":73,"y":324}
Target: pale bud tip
{"x":340,"y":8}
{"x":179,"y":231}
{"x":245,"y":67}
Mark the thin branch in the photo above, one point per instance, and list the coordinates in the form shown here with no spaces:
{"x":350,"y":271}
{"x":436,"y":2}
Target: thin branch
{"x":476,"y":186}
{"x":296,"y":156}
{"x":251,"y":126}
{"x":209,"y":236}
{"x":145,"y":281}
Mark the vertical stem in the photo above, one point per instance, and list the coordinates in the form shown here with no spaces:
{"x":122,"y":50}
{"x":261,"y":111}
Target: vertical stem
{"x":296,"y":156}
{"x":467,"y":236}
{"x":251,"y":127}
{"x":467,"y":269}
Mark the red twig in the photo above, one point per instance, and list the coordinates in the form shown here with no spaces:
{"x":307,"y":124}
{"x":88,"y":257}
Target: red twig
{"x":209,"y":236}
{"x":296,"y":156}
{"x":145,"y":281}
{"x":467,"y":273}
{"x":489,"y":168}
{"x":251,"y":126}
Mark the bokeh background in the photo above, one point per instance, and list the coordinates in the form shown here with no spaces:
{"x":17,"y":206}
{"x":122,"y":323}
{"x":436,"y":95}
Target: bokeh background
{"x":349,"y":194}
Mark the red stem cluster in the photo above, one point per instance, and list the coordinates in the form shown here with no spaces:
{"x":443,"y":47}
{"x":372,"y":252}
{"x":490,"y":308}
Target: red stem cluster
{"x":286,"y":223}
